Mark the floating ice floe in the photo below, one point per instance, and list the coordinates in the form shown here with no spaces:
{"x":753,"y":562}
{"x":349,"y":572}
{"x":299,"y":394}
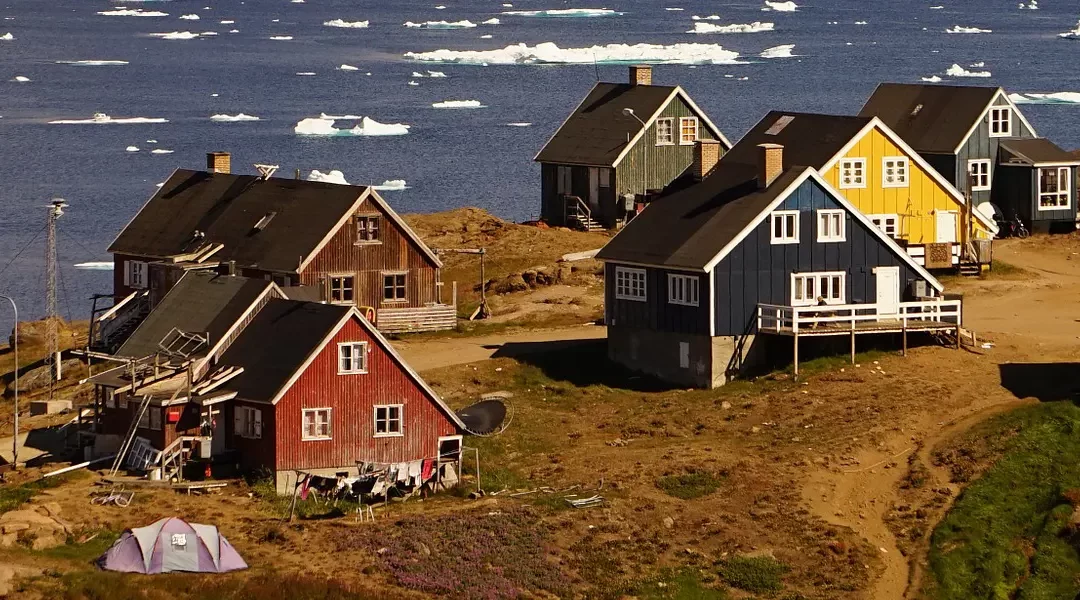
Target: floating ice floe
{"x":783,"y":51}
{"x":962,"y":29}
{"x":104,"y":119}
{"x":347,"y":24}
{"x":132,"y":149}
{"x":333,"y":176}
{"x":521,"y":124}
{"x":132,"y":12}
{"x":958,"y":71}
{"x":780,"y":6}
{"x":7,"y":37}
{"x":1033,"y":5}
{"x":391,"y":185}
{"x":227,"y":22}
{"x":95,"y":266}
{"x":491,"y":21}
{"x":860,"y":22}
{"x":21,"y":79}
{"x":191,"y":17}
{"x":936,"y":7}
{"x":281,"y":38}
{"x":673,"y":8}
{"x":323,"y":126}
{"x":755,"y":27}
{"x":340,"y":117}
{"x":440,"y":7}
{"x":436,"y":74}
{"x":1072,"y":35}
{"x":550,"y":53}
{"x":464,"y":24}
{"x":1053,"y":98}
{"x":458,"y":104}
{"x":977,"y":65}
{"x":161,"y":151}
{"x":306,"y":73}
{"x":708,"y":18}
{"x":348,"y":68}
{"x":237,"y":118}
{"x":931,"y":79}
{"x":175,"y":35}
{"x":93,"y":63}
{"x":294,"y":2}
{"x":486,"y":36}
{"x":208,"y":34}
{"x":508,"y":5}
{"x":565,"y":12}
{"x":413,"y":83}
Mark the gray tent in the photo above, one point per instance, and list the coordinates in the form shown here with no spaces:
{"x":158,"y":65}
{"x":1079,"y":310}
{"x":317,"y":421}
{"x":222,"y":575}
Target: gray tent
{"x":172,"y":544}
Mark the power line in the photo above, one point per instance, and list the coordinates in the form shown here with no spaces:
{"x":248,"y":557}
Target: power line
{"x":19,"y":253}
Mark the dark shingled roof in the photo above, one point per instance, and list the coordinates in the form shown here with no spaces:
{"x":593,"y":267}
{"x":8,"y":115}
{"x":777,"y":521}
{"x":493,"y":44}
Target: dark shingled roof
{"x":597,"y":132}
{"x":202,"y":303}
{"x":690,"y":227}
{"x":809,"y":139}
{"x":276,"y":343}
{"x":226,"y":207}
{"x":945,"y":113}
{"x":1035,"y":151}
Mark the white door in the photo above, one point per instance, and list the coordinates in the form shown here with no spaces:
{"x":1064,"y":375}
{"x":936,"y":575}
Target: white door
{"x":888,"y":290}
{"x":945,"y":227}
{"x":594,"y":188}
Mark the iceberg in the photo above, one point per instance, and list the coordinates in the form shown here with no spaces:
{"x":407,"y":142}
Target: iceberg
{"x":1053,"y":98}
{"x":961,"y":29}
{"x":7,"y":37}
{"x":234,"y":31}
{"x":466,"y":24}
{"x":340,"y":117}
{"x":708,"y":18}
{"x":160,"y":151}
{"x":755,"y":27}
{"x":673,"y":8}
{"x":348,"y":68}
{"x":548,"y":53}
{"x":208,"y":34}
{"x":175,"y":35}
{"x":931,"y":79}
{"x":958,"y":71}
{"x":233,"y":118}
{"x":227,"y":22}
{"x":416,"y":74}
{"x":132,"y":12}
{"x":367,"y":127}
{"x":21,"y":79}
{"x":104,"y":119}
{"x":565,"y":12}
{"x":491,"y":21}
{"x":522,"y":124}
{"x":936,"y":7}
{"x":191,"y":17}
{"x":413,"y":83}
{"x":778,"y":51}
{"x":860,"y":22}
{"x":458,"y":104}
{"x":391,"y":185}
{"x":1072,"y":35}
{"x":306,"y":73}
{"x":436,"y":74}
{"x":95,"y":266}
{"x":281,"y":38}
{"x":780,"y":6}
{"x":93,"y":63}
{"x":334,"y":176}
{"x":132,"y":148}
{"x":486,"y":36}
{"x":347,"y":24}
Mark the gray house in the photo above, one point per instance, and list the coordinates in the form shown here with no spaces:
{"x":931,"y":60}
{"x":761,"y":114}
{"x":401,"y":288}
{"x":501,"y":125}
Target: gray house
{"x":622,"y":141}
{"x":967,"y":133}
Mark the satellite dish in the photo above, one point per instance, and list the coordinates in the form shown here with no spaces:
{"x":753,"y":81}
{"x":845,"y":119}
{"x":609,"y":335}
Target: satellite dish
{"x":989,"y":210}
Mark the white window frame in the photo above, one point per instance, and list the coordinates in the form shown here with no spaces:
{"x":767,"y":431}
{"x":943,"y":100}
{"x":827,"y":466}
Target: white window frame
{"x":316,"y":412}
{"x":697,"y":130}
{"x":351,"y":287}
{"x":389,"y":420}
{"x":684,"y":290}
{"x":248,"y":423}
{"x":984,"y":163}
{"x":850,"y":164}
{"x":668,"y":139}
{"x":1066,"y":192}
{"x":788,"y":235}
{"x":135,"y":274}
{"x":630,"y":284}
{"x":881,"y":221}
{"x":902,"y":166}
{"x":799,"y":281}
{"x":828,"y":220}
{"x":996,"y":119}
{"x":358,"y":357}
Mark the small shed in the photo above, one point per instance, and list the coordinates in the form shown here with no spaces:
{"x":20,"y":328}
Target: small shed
{"x":1037,"y":183}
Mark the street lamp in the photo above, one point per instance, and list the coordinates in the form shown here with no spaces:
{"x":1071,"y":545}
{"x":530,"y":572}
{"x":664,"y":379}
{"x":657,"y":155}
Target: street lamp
{"x":629,"y":112}
{"x":15,"y":439}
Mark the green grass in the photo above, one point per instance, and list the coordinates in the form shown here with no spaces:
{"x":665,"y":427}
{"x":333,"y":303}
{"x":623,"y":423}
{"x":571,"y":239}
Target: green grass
{"x":1007,"y":535}
{"x":677,"y":584}
{"x":103,"y":585}
{"x":85,"y":552}
{"x":756,"y":574}
{"x":1000,"y":268}
{"x":690,"y":485}
{"x":14,"y":496}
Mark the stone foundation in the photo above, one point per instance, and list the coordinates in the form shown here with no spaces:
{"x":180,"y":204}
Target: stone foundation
{"x":688,"y":360}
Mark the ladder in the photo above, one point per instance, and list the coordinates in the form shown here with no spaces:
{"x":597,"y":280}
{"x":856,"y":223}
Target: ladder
{"x":121,"y":454}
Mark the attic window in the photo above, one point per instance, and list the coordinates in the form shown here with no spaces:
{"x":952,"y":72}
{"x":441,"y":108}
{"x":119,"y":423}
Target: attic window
{"x":779,"y":125}
{"x":1001,"y":121}
{"x":263,"y":222}
{"x":367,"y":229}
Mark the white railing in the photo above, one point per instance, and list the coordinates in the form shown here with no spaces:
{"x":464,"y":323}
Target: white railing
{"x":776,"y":318}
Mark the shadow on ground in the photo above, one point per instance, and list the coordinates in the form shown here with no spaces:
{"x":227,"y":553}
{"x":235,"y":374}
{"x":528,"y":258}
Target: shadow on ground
{"x":580,"y":362}
{"x":1047,"y":382}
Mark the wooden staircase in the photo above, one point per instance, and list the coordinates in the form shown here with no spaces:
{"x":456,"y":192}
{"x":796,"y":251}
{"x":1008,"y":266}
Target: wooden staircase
{"x":578,"y":214}
{"x":970,"y":268}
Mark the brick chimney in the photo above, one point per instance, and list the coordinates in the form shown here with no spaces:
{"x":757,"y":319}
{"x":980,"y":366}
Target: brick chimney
{"x":218,"y":162}
{"x":770,"y":164}
{"x":706,"y":155}
{"x":640,"y":75}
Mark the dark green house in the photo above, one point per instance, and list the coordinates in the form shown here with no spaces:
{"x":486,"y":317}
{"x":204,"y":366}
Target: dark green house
{"x":622,"y":141}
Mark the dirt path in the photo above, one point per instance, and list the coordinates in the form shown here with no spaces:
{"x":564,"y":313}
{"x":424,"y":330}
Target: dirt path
{"x":433,"y":354}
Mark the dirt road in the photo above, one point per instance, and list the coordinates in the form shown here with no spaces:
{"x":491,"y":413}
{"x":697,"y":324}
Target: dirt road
{"x":433,"y":354}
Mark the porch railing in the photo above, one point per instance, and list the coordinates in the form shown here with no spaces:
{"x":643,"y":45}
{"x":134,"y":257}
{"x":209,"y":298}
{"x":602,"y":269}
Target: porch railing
{"x":773,"y":318}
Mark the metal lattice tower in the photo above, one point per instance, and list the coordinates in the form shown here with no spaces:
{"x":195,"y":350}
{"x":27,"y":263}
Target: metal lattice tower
{"x":52,"y":336}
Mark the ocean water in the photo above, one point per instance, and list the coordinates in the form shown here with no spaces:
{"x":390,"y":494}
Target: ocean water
{"x":450,"y":157}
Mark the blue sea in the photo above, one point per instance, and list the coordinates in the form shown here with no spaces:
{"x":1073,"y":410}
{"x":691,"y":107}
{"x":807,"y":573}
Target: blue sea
{"x":450,"y":157}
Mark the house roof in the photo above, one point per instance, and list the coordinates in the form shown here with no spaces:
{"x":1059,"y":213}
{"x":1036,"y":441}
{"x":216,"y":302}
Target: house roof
{"x":597,"y":133}
{"x":1036,"y":151}
{"x":203,"y":303}
{"x":808,"y":139}
{"x":931,"y":118}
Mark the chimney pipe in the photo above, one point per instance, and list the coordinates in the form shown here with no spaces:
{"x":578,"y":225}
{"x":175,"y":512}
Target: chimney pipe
{"x":640,"y":75}
{"x":218,"y":162}
{"x":232,"y":268}
{"x":770,"y":164}
{"x":706,"y":155}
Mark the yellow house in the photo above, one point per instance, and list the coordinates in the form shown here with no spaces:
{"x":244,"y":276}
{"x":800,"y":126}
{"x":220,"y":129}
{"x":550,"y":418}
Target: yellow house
{"x":882,"y":177}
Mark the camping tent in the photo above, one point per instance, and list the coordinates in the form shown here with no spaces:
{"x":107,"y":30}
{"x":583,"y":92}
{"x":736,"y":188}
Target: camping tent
{"x":172,"y":544}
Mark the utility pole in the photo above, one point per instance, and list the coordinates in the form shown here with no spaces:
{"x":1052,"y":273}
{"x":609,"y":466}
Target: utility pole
{"x":52,"y":335}
{"x":15,"y":439}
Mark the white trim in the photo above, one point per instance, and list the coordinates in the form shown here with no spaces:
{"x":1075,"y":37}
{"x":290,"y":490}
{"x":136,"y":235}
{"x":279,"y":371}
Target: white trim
{"x":304,"y":437}
{"x":906,"y":168}
{"x":999,"y":94}
{"x":852,"y":164}
{"x":882,"y":217}
{"x":656,"y":127}
{"x":690,"y":288}
{"x":793,"y":236}
{"x":1008,"y":121}
{"x":708,"y":298}
{"x":817,"y":276}
{"x":697,"y":131}
{"x":631,"y":263}
{"x":989,"y":173}
{"x":677,"y":92}
{"x":1068,"y":190}
{"x":822,"y":216}
{"x":704,"y":117}
{"x":330,"y":277}
{"x":352,"y":359}
{"x":144,"y":274}
{"x":632,"y":274}
{"x":400,"y":421}
{"x":1049,"y":164}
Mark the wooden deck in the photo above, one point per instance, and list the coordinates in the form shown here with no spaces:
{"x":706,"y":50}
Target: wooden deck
{"x":861,"y":327}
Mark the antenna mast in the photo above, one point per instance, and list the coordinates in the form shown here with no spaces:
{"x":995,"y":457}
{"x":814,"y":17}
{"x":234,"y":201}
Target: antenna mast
{"x":52,"y":336}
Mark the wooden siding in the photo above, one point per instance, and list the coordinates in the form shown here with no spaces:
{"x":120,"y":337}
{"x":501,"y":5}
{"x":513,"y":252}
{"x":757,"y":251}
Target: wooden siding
{"x":656,"y":313}
{"x":1064,"y":215}
{"x":352,"y":398}
{"x":980,"y":145}
{"x":1014,"y":191}
{"x":605,"y":209}
{"x":915,"y":204}
{"x":254,"y":454}
{"x":756,"y":271}
{"x":116,"y":421}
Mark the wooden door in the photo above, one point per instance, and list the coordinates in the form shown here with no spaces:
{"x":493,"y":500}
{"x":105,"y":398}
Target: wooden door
{"x":594,"y":188}
{"x":888,"y":290}
{"x":945,"y":227}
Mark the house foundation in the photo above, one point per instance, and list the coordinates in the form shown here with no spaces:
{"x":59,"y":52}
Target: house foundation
{"x":690,"y":360}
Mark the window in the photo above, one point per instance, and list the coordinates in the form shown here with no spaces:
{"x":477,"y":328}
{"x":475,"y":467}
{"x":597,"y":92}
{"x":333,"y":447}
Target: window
{"x":280,"y":280}
{"x":110,"y":398}
{"x":388,"y":420}
{"x":886,"y":223}
{"x":316,"y":424}
{"x":831,"y":225}
{"x":341,"y":289}
{"x":665,"y":132}
{"x":1054,"y":188}
{"x":151,"y":419}
{"x":564,"y":180}
{"x":808,"y":288}
{"x":352,"y":358}
{"x":630,"y":284}
{"x":688,"y":130}
{"x":785,"y":227}
{"x":682,"y":289}
{"x":394,"y":287}
{"x":852,"y":173}
{"x":248,"y":422}
{"x":1000,"y":121}
{"x":894,"y":172}
{"x":367,"y":228}
{"x":604,"y":177}
{"x":135,"y":274}
{"x":980,"y":174}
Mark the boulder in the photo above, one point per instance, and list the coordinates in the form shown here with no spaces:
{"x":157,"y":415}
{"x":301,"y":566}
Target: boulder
{"x":39,"y":378}
{"x":512,"y":283}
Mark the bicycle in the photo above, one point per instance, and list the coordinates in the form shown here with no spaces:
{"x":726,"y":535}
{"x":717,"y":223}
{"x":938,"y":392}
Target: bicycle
{"x":115,"y":496}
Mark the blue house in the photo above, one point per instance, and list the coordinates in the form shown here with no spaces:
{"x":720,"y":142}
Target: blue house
{"x":735,"y":252}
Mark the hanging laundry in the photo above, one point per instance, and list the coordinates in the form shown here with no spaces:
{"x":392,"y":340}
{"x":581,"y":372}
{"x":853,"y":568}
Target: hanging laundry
{"x":427,"y":469}
{"x":304,"y":486}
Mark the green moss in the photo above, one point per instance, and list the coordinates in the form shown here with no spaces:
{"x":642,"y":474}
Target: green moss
{"x":14,"y":496}
{"x":677,"y":584}
{"x":690,"y":485}
{"x":757,"y":574}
